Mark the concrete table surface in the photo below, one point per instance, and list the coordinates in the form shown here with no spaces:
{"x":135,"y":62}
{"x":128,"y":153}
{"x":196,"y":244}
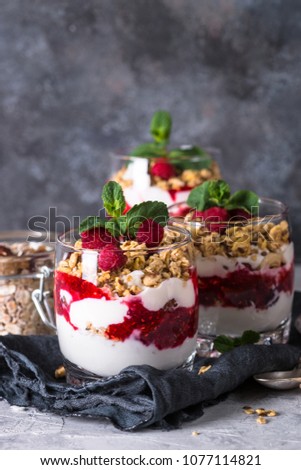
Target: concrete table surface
{"x":224,"y":426}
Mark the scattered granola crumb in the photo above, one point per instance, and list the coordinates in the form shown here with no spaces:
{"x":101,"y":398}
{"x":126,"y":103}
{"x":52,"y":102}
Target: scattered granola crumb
{"x":60,"y":372}
{"x":261,"y":420}
{"x":204,"y":369}
{"x":261,"y":411}
{"x":271,"y":413}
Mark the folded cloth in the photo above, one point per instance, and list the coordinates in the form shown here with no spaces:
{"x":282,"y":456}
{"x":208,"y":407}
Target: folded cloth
{"x":138,"y":397}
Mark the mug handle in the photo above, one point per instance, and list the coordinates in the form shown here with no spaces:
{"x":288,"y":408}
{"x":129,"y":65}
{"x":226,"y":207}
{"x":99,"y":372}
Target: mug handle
{"x":40,"y":299}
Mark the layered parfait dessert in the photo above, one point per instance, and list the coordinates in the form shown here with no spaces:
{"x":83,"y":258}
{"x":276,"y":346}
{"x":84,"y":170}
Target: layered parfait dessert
{"x":244,"y":258}
{"x":126,"y":291}
{"x":155,"y":172}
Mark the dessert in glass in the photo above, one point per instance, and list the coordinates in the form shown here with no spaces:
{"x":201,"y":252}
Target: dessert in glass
{"x":245,"y":262}
{"x":125,"y":291}
{"x":153,"y":172}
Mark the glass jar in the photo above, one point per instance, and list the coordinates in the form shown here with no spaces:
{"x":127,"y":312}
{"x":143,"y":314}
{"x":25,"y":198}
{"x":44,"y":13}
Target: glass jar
{"x":245,"y":271}
{"x":143,"y":313}
{"x":21,"y":272}
{"x":169,"y":180}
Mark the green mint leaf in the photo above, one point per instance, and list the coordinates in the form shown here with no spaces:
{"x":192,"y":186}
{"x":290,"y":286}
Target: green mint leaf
{"x":114,"y":226}
{"x":160,"y":126}
{"x":236,"y":341}
{"x":113,"y":199}
{"x":150,"y":149}
{"x":146,"y":210}
{"x":209,"y":194}
{"x":198,"y":197}
{"x":90,"y":223}
{"x":94,"y":222}
{"x":219,"y":192}
{"x":188,"y":151}
{"x":188,"y":164}
{"x":223,"y":343}
{"x":201,"y":161}
{"x":250,"y":337}
{"x":242,"y":200}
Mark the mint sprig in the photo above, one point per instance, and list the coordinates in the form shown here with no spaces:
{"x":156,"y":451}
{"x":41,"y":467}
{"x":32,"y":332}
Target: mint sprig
{"x":90,"y":223}
{"x":160,"y":127}
{"x":217,"y":193}
{"x":187,"y":151}
{"x":209,"y":194}
{"x":113,"y":199}
{"x":116,"y":226}
{"x":160,"y":130}
{"x":176,"y":158}
{"x":120,"y":224}
{"x":146,"y":210}
{"x":224,"y":343}
{"x":242,"y":199}
{"x":150,"y":149}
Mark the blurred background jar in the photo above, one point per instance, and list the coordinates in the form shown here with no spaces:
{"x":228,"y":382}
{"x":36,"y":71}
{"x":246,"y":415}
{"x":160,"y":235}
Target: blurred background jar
{"x":21,"y":266}
{"x":168,"y":179}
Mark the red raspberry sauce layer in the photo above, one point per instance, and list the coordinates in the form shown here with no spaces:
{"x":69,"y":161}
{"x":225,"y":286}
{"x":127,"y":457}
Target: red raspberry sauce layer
{"x":78,"y":290}
{"x":244,"y":288}
{"x":165,"y":328}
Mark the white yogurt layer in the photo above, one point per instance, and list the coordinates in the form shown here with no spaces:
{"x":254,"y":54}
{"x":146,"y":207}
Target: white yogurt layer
{"x":142,"y":190}
{"x":105,"y":357}
{"x":233,"y":321}
{"x":220,"y":266}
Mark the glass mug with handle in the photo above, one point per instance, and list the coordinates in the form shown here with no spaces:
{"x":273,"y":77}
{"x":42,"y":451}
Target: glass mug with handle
{"x":146,"y":312}
{"x":245,"y":269}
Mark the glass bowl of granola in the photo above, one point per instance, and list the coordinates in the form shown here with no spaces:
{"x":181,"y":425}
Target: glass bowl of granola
{"x":21,"y":272}
{"x":245,"y":262}
{"x":155,"y":172}
{"x":125,"y":291}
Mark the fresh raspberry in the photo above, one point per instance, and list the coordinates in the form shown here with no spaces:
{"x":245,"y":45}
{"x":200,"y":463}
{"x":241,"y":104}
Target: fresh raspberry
{"x":96,"y":238}
{"x":150,"y":233}
{"x":239,"y":214}
{"x":163,"y":168}
{"x":214,"y":215}
{"x":111,"y":258}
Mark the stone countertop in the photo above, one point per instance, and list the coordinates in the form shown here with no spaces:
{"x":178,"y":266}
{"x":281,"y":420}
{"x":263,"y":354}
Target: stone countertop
{"x":224,"y":426}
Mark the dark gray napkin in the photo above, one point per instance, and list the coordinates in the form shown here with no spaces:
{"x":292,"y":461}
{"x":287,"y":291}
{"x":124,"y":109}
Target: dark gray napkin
{"x":138,"y":397}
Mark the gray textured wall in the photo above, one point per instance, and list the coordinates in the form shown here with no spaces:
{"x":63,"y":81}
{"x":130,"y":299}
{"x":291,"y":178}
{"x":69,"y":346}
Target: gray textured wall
{"x":82,"y":78}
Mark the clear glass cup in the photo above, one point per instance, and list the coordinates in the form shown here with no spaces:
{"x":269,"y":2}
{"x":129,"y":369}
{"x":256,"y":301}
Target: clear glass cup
{"x":21,"y":272}
{"x":144,"y":313}
{"x":135,"y":176}
{"x":245,"y":272}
